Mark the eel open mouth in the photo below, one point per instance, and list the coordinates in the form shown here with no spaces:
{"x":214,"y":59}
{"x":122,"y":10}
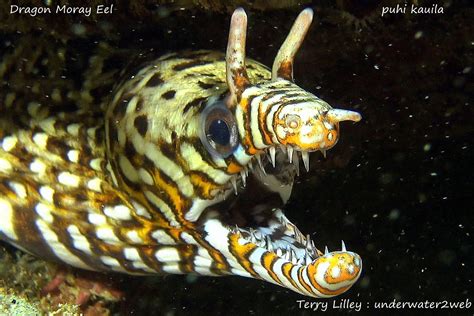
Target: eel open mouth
{"x":268,"y":245}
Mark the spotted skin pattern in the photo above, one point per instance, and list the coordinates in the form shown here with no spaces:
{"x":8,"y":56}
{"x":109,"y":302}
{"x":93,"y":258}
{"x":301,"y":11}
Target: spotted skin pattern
{"x":130,"y":185}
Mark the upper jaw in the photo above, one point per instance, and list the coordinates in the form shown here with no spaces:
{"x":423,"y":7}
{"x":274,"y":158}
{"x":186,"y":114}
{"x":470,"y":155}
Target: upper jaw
{"x":280,"y":113}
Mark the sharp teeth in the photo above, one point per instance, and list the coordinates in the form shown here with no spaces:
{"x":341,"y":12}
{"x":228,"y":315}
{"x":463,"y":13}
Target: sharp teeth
{"x":323,"y":151}
{"x":305,"y":156}
{"x":282,"y":218}
{"x":308,"y":242}
{"x":290,"y":153}
{"x":272,"y":152}
{"x":269,"y":243}
{"x":237,"y":230}
{"x":296,"y":162}
{"x":251,"y":165}
{"x":252,"y":236}
{"x":260,"y":164}
{"x":293,"y":254}
{"x":326,"y":251}
{"x":244,"y":177}
{"x":298,"y":235}
{"x":290,"y":229}
{"x":343,"y":247}
{"x":288,"y":253}
{"x":234,"y":184}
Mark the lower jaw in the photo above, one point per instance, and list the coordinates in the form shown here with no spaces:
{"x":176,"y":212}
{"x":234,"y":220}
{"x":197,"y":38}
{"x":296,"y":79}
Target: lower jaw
{"x":253,"y":225}
{"x":251,"y":253}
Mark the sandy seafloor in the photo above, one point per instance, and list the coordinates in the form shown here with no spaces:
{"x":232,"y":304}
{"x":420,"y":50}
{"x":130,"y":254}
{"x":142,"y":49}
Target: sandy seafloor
{"x":398,"y":186}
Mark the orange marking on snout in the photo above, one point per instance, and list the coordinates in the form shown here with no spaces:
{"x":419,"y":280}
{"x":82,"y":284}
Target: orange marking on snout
{"x":233,"y":168}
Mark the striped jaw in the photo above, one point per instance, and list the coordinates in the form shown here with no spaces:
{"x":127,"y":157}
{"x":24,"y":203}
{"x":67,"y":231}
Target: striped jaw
{"x":261,"y":242}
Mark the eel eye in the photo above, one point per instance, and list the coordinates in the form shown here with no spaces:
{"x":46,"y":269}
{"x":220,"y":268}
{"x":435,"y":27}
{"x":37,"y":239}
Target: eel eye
{"x":219,"y":130}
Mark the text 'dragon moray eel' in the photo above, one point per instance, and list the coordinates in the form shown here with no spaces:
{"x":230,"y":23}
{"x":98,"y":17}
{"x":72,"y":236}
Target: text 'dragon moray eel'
{"x":171,"y":177}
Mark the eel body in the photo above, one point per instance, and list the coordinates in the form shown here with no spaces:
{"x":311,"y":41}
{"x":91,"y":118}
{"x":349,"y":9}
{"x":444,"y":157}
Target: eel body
{"x":184,"y":168}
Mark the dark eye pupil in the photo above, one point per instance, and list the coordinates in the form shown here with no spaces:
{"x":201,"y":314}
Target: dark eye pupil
{"x":219,"y":132}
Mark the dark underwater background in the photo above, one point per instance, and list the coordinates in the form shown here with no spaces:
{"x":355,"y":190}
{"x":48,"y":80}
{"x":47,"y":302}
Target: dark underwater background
{"x":397,"y":188}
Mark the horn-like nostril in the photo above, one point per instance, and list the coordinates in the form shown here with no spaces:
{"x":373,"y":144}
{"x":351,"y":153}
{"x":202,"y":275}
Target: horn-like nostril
{"x":338,"y":115}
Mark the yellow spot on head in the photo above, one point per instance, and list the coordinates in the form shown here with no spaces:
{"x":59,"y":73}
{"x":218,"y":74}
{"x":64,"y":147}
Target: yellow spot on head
{"x":47,"y":193}
{"x":5,"y":165}
{"x":233,"y":168}
{"x":73,"y":155}
{"x":69,"y":179}
{"x":40,"y":139}
{"x":38,"y":166}
{"x":19,"y":188}
{"x":95,"y":184}
{"x":9,"y":142}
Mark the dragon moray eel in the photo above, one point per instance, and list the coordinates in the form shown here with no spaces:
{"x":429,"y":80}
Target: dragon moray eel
{"x":184,"y":169}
